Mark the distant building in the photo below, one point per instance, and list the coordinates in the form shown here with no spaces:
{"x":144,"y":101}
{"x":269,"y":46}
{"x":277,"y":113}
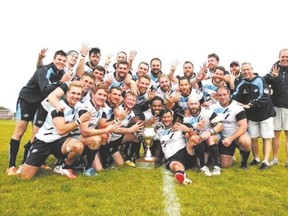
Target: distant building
{"x":6,"y":114}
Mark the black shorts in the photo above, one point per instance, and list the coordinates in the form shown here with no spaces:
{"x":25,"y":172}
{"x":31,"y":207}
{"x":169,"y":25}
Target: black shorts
{"x":230,"y":150}
{"x":183,"y":157}
{"x":26,"y":111}
{"x":106,"y":151}
{"x":41,"y":150}
{"x":40,"y":116}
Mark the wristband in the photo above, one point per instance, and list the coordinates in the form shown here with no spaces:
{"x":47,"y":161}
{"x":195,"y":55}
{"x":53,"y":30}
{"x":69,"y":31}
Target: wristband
{"x":212,"y":131}
{"x":83,"y":56}
{"x":78,"y":121}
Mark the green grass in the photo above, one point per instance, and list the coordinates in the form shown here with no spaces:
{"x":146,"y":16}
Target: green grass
{"x":135,"y":191}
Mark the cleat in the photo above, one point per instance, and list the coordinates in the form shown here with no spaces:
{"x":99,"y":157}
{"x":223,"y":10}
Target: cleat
{"x":187,"y":181}
{"x":216,"y":170}
{"x":11,"y":171}
{"x":45,"y":167}
{"x":244,"y":166}
{"x":254,"y":162}
{"x":286,"y":165}
{"x":66,"y":172}
{"x":180,"y":177}
{"x":19,"y":170}
{"x":90,"y":172}
{"x":129,"y":163}
{"x":206,"y":171}
{"x":264,"y":166}
{"x":273,"y":162}
{"x":112,"y":167}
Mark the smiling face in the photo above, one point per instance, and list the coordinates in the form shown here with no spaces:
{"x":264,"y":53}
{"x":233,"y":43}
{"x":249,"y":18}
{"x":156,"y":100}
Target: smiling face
{"x":60,"y":61}
{"x":164,"y":83}
{"x":247,"y":71}
{"x":121,"y":56}
{"x":156,"y":107}
{"x":212,"y":63}
{"x":193,"y":106}
{"x":130,"y":100}
{"x":143,"y":85}
{"x":73,"y":95}
{"x":121,"y":71}
{"x":94,"y":59}
{"x":72,"y":59}
{"x":114,"y":97}
{"x":235,"y":69}
{"x":156,"y":66}
{"x":99,"y":97}
{"x":188,"y":70}
{"x":98,"y":74}
{"x":143,"y":69}
{"x":167,"y":119}
{"x":283,"y":58}
{"x":218,"y":73}
{"x":87,"y":83}
{"x":185,"y":87}
{"x":223,"y":96}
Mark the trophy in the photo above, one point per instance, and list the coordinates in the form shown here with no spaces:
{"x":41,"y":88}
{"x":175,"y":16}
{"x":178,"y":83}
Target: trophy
{"x":148,"y":137}
{"x":148,"y":161}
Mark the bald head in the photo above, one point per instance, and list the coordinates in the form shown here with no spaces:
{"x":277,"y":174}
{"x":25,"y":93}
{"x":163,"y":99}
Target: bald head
{"x":194,"y":105}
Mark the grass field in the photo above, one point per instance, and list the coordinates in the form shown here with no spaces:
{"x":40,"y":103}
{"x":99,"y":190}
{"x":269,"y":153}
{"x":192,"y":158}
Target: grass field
{"x":135,"y":191}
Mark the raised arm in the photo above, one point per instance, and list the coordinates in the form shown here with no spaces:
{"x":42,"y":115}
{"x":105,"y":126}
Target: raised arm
{"x":173,"y":67}
{"x":81,"y":64}
{"x":41,"y":56}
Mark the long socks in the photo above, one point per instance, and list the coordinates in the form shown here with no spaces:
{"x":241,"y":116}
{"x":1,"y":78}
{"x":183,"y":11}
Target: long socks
{"x":13,"y":151}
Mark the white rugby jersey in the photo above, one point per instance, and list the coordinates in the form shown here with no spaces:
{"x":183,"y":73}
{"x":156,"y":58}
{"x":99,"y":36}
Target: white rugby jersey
{"x":148,"y":115}
{"x":96,"y":115}
{"x":159,"y":92}
{"x":48,"y":132}
{"x":182,"y":102}
{"x":210,"y":118}
{"x":108,"y":112}
{"x":171,"y":141}
{"x":87,"y":68}
{"x":114,"y":83}
{"x":208,"y":89}
{"x":154,"y":83}
{"x":141,"y":103}
{"x":124,"y":123}
{"x":229,"y":116}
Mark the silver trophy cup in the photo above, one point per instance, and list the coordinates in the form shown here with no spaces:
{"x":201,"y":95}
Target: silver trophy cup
{"x":148,"y":137}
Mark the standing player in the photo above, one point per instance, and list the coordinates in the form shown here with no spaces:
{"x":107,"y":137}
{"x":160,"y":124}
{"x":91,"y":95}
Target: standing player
{"x":43,"y":82}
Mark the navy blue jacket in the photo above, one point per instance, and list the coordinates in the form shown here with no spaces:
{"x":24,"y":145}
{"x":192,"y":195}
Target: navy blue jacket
{"x":257,"y":93}
{"x":41,"y":84}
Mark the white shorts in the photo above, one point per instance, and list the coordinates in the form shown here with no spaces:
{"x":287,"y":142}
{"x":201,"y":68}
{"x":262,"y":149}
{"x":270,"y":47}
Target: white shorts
{"x":281,"y":119}
{"x":263,"y":129}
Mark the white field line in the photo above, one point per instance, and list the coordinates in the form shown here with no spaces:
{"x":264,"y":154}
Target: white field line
{"x":171,"y":201}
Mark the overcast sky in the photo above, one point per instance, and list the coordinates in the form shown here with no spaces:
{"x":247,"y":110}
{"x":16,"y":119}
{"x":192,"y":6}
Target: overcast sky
{"x":243,"y":30}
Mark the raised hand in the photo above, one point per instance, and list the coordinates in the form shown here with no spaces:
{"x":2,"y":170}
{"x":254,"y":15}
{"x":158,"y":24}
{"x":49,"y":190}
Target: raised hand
{"x":85,"y":49}
{"x":132,"y":55}
{"x":174,"y":64}
{"x":42,"y":53}
{"x":108,"y":58}
{"x":275,"y":71}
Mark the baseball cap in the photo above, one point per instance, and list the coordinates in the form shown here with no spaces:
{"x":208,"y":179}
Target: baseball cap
{"x":234,"y":63}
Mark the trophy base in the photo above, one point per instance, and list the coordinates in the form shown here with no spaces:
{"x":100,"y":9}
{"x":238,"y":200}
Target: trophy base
{"x":148,"y":164}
